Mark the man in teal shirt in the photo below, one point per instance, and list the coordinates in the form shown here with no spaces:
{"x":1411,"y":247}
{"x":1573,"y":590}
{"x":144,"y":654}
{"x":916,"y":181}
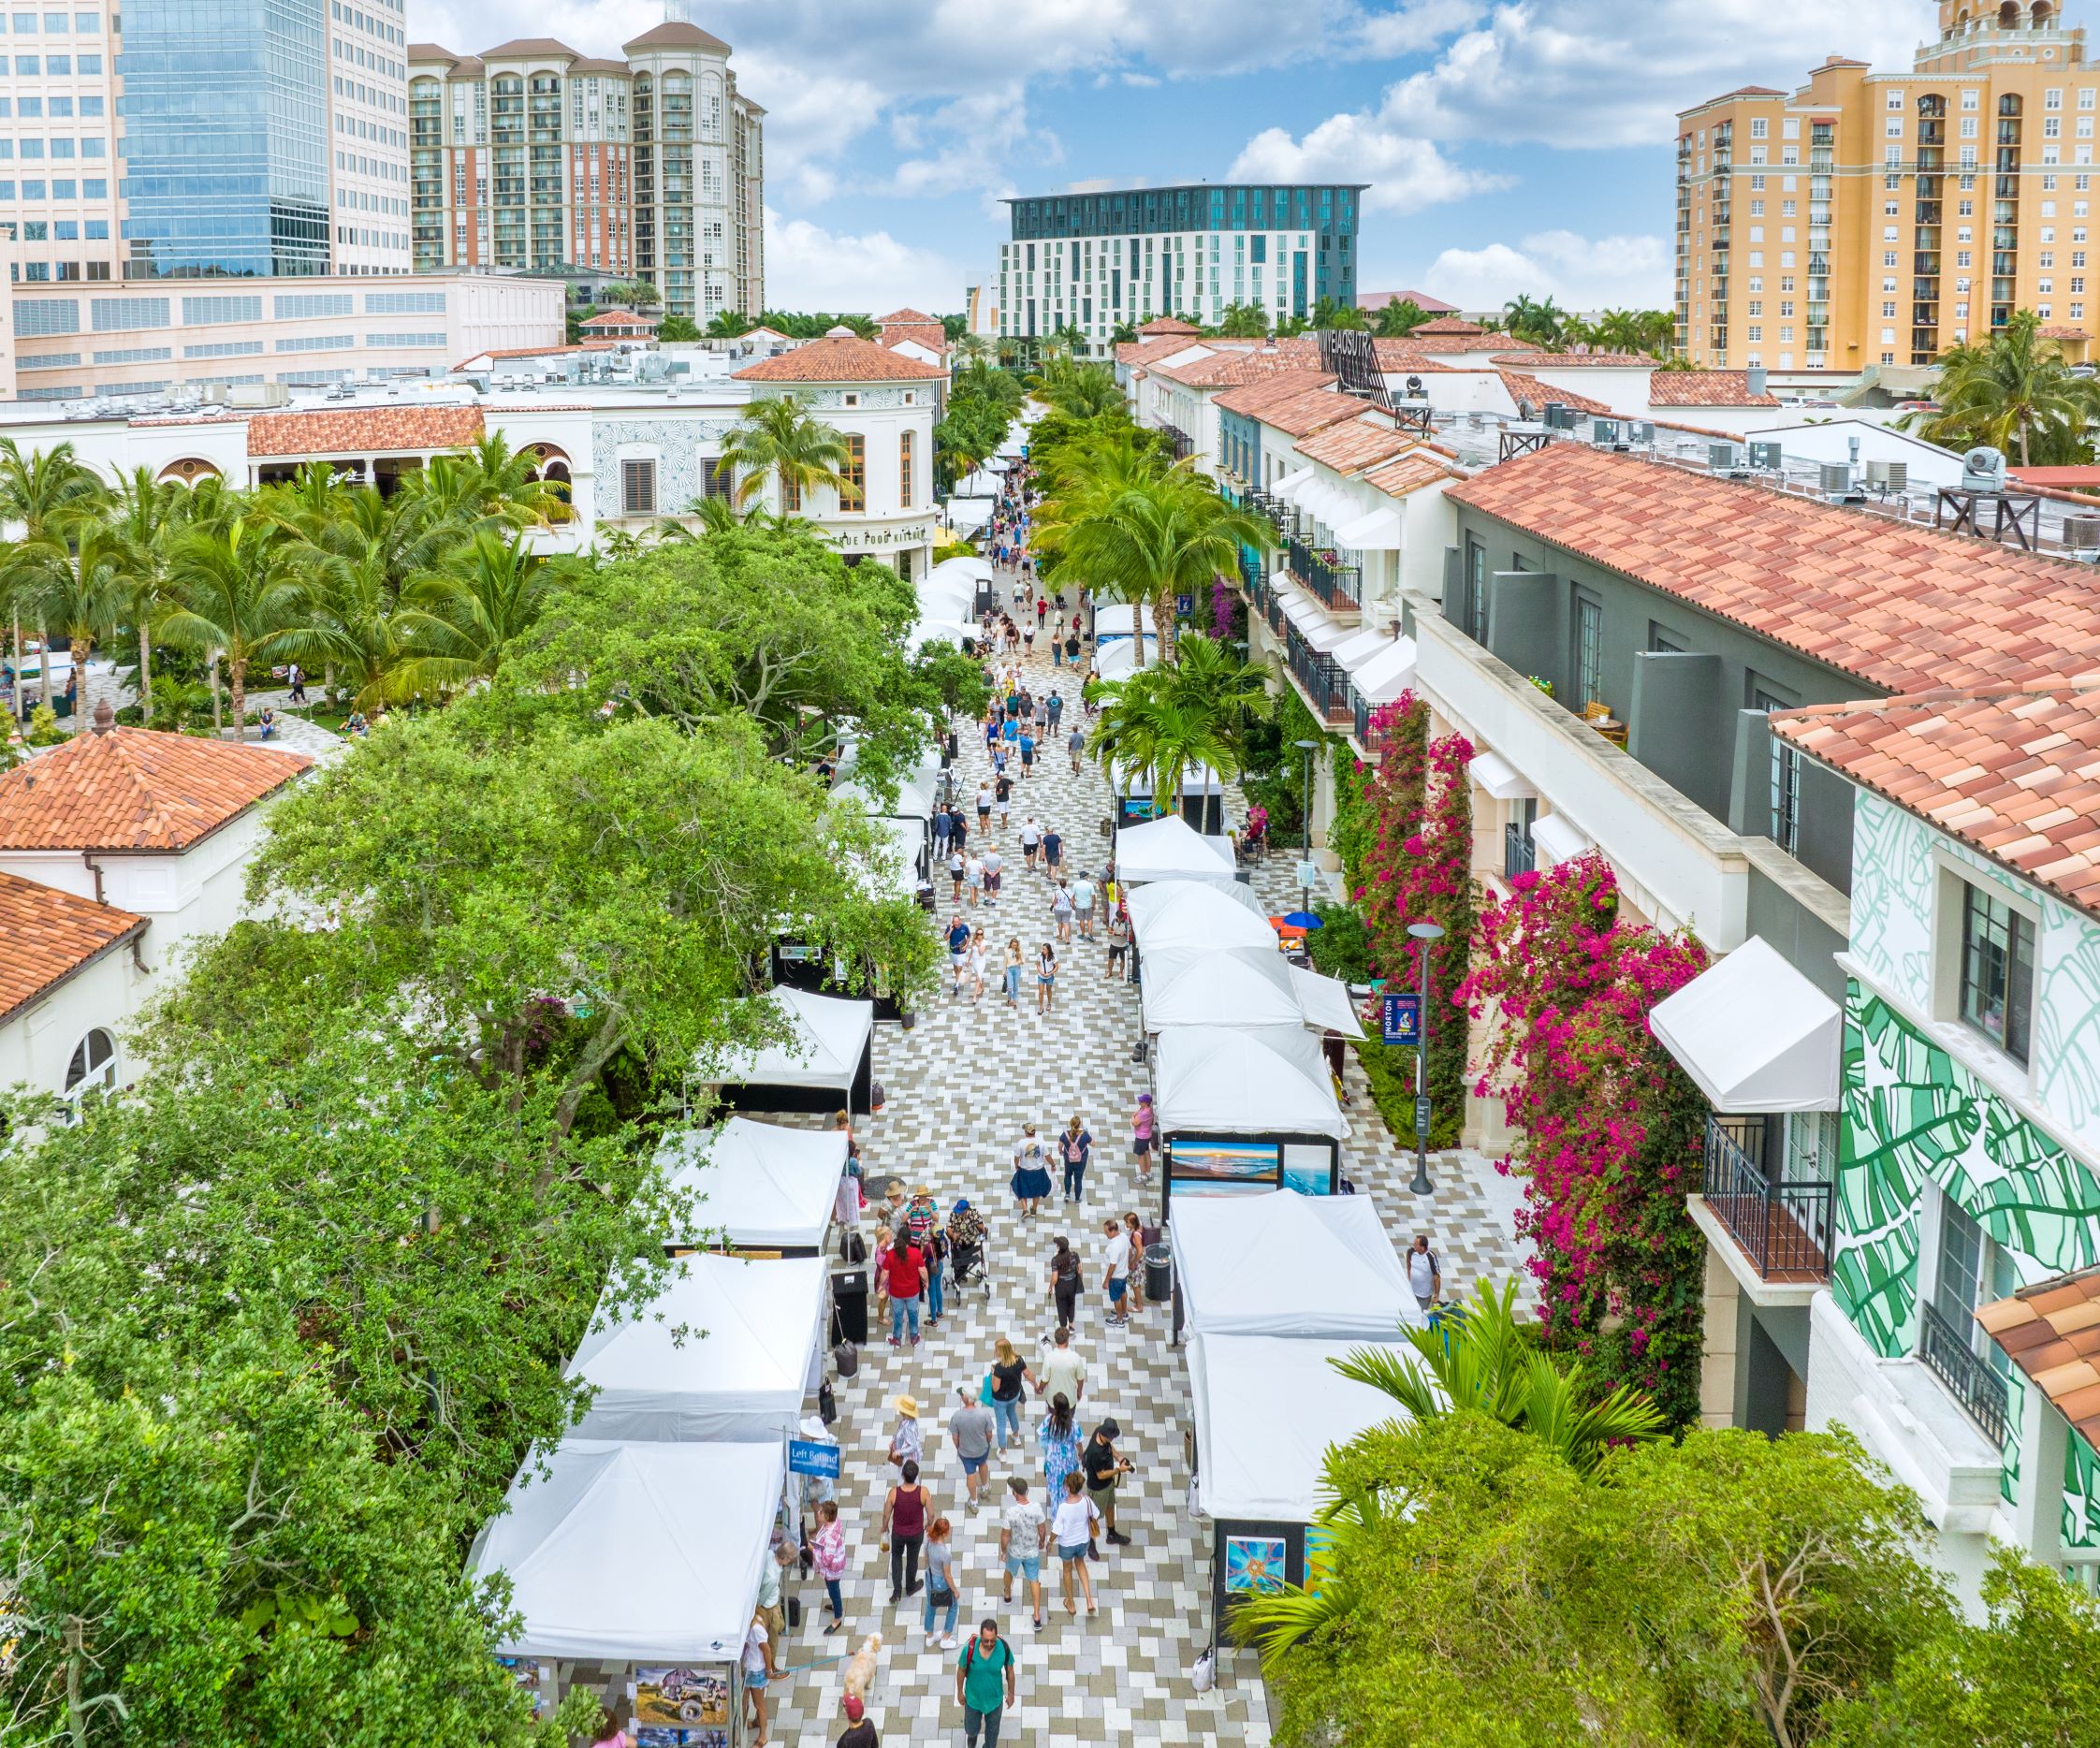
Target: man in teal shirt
{"x":984,"y":1683}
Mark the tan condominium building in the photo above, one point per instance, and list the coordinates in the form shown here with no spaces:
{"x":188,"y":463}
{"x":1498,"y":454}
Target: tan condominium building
{"x":1874,"y":218}
{"x":532,"y":155}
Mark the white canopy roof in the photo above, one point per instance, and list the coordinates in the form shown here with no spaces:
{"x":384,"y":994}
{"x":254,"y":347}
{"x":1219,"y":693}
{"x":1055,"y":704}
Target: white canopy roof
{"x":957,"y":632}
{"x":763,"y":1186}
{"x":967,"y":569}
{"x":950,"y":597}
{"x":1270,"y":1080}
{"x":904,"y":840}
{"x":1385,"y":677}
{"x":830,"y":1033}
{"x":635,"y":1554}
{"x":1117,"y":619}
{"x":915,"y":791}
{"x":1280,"y":1263}
{"x":973,"y":502}
{"x":1171,"y":913}
{"x":1168,"y":849}
{"x":1311,"y":620}
{"x":1361,"y":645}
{"x":1116,"y":659}
{"x":740,"y":1369}
{"x":1557,"y":838}
{"x":1754,"y":1034}
{"x":1378,"y":532}
{"x":1499,"y":778}
{"x":1267,"y":1408}
{"x":1206,"y":983}
{"x":1293,"y":483}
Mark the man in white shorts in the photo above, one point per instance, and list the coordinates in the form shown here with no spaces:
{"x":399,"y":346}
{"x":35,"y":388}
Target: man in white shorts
{"x":1031,"y":835}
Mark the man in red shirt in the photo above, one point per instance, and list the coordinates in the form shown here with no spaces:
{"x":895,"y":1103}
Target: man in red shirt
{"x":904,"y":1274}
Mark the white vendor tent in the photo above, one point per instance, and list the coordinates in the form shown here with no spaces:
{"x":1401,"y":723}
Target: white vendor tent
{"x":1280,"y":1263}
{"x":968,"y":570}
{"x":1117,"y":658}
{"x":903,"y":844}
{"x":828,"y":1052}
{"x":948,"y":598}
{"x":1267,"y":1408}
{"x":1172,"y":913}
{"x":942,"y":631}
{"x":1271,"y":1080}
{"x":1169,"y":848}
{"x":1199,"y":985}
{"x":635,"y":1554}
{"x":1754,"y":1034}
{"x":760,"y":1185}
{"x":739,"y":1370}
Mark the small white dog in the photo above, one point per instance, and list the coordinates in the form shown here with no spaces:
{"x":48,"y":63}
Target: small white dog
{"x":860,"y":1668}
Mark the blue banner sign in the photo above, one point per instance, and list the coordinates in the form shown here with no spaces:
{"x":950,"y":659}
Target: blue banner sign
{"x":1403,"y":1019}
{"x":808,"y":1456}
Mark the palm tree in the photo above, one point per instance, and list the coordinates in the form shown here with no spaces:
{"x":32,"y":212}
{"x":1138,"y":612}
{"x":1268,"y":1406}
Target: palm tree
{"x":503,"y":484}
{"x":780,"y":439}
{"x":2013,"y":390}
{"x":1242,"y":321}
{"x":1395,"y":321}
{"x":146,"y":517}
{"x":75,"y":578}
{"x":1164,"y":721}
{"x":1481,"y":1363}
{"x":35,"y":488}
{"x":1330,"y":314}
{"x":678,"y":329}
{"x":468,"y":615}
{"x":1539,"y":320}
{"x":244,"y":595}
{"x":1080,"y":391}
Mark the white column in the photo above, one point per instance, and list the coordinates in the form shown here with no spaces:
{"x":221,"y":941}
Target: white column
{"x":2038,"y":1510}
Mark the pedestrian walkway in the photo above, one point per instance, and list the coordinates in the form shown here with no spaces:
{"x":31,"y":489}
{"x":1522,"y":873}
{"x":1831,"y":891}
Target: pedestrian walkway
{"x":959,"y":1085}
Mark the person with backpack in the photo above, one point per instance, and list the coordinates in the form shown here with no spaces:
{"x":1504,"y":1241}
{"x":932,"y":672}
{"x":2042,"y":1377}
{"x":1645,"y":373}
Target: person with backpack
{"x":1425,"y":1272}
{"x":1075,"y":1146}
{"x":984,"y":1683}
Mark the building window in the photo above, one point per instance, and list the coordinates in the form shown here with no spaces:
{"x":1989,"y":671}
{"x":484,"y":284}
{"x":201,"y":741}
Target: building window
{"x":637,"y":487}
{"x":1785,"y":795}
{"x":853,"y":476}
{"x":1970,"y":1270}
{"x":1475,"y":606}
{"x":1589,"y":651}
{"x":1997,"y":994}
{"x":93,"y":1066}
{"x":904,"y":461}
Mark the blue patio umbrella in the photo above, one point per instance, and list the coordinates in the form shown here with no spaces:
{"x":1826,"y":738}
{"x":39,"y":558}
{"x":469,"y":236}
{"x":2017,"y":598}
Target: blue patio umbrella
{"x":1302,"y":919}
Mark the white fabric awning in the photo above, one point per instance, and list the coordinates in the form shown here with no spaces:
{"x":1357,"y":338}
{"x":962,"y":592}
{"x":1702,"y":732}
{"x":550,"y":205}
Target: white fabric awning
{"x":1267,"y":1408}
{"x":1292,"y":484}
{"x":1170,"y":914}
{"x":760,"y":1185}
{"x":1385,"y":677}
{"x":962,"y":636}
{"x":948,"y":598}
{"x":1325,"y":1001}
{"x":1169,"y":849}
{"x":1319,"y":499}
{"x":1361,"y":645}
{"x":904,"y":842}
{"x":829,"y":1035}
{"x":970,"y":569}
{"x":634,"y":1552}
{"x":1222,"y":1080}
{"x":1279,"y":1263}
{"x":1557,"y":838}
{"x":724,"y":1352}
{"x":1756,"y":1034}
{"x":1378,"y":532}
{"x":1313,"y":624}
{"x":1201,"y":984}
{"x":1117,"y":619}
{"x":1117,"y":657}
{"x":1499,"y":778}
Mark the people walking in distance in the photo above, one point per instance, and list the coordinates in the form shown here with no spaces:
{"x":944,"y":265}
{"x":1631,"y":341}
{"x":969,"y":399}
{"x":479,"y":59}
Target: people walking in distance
{"x":1084,"y":894}
{"x":942,"y":1593}
{"x":1058,"y":1435}
{"x":1105,"y":1466}
{"x":1061,"y":910}
{"x":1115,"y":1270}
{"x":1031,"y":1177}
{"x":1015,"y":965}
{"x":904,"y":1527}
{"x":1065,"y":1282}
{"x":972,"y":1430}
{"x":827,"y":1550}
{"x":984,"y":1684}
{"x":1071,"y":1528}
{"x":1141,"y":1133}
{"x":1118,"y":947}
{"x":1045,"y":977}
{"x":1023,"y":1536}
{"x":1075,"y":1147}
{"x":1009,"y":1372}
{"x":1064,"y":1373}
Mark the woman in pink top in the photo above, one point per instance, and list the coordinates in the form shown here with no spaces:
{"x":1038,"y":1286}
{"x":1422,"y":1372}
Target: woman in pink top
{"x":1141,"y":1137}
{"x":827,"y":1550}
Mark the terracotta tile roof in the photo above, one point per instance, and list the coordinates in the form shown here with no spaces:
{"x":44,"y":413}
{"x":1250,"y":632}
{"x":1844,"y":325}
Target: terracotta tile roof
{"x":1524,"y":387}
{"x":136,"y":789}
{"x":908,"y":318}
{"x":1253,"y":400}
{"x":1420,"y":466}
{"x":1449,"y":325}
{"x":1354,"y":444}
{"x":1421,"y":300}
{"x":429,"y":52}
{"x":619,"y":318}
{"x":2062,"y":331}
{"x":47,"y":935}
{"x":1563,"y":360}
{"x":1706,"y":388}
{"x":363,"y":430}
{"x":1169,"y":325}
{"x":1901,"y":607}
{"x":2012,"y":772}
{"x":1478,"y":341}
{"x":930,"y":335}
{"x":526,"y":46}
{"x":597,"y":65}
{"x":2051,"y":1332}
{"x":1396,"y":355}
{"x":1229,"y":368}
{"x":839,"y":360}
{"x":1310,"y":410}
{"x":1173,"y":346}
{"x":677,"y":35}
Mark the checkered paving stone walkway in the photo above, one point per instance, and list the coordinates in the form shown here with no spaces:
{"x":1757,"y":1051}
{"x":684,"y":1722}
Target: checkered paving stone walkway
{"x":959,"y":1085}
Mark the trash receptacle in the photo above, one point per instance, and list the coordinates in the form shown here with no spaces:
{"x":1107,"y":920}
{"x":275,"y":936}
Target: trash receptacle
{"x":849,"y":1303}
{"x":1159,"y":1274}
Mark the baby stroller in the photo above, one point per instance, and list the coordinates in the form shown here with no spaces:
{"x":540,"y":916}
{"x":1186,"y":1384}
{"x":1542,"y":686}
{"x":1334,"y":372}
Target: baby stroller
{"x":966,"y":1249}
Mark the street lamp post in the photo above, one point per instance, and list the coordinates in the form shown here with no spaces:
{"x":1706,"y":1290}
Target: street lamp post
{"x":1305,"y":861}
{"x":1427,"y":934}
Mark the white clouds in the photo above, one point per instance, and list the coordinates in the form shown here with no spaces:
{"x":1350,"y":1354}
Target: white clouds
{"x":1414,"y":26}
{"x":1406,"y":173}
{"x":1576,"y":272}
{"x":809,"y":267}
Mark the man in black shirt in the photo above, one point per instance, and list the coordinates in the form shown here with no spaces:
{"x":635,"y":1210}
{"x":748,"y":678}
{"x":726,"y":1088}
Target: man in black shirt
{"x":1104,"y":1469}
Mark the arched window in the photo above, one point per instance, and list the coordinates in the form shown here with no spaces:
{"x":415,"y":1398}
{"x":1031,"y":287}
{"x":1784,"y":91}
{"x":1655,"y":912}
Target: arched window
{"x":93,"y":1066}
{"x":2042,"y":16}
{"x":2008,"y":15}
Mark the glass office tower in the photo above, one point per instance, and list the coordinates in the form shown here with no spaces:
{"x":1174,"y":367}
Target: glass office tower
{"x":226,"y":137}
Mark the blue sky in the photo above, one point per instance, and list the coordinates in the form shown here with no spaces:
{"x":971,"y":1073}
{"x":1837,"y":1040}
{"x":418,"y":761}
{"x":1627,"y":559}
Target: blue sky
{"x":1509,"y":147}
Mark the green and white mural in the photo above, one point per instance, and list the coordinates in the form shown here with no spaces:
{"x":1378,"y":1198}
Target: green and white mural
{"x":1912,"y":1113}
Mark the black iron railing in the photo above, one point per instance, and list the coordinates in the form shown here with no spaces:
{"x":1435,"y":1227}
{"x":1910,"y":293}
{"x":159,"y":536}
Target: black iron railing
{"x":1971,"y":1381}
{"x":1278,"y":514}
{"x":1783,"y":1226}
{"x":1183,"y":446}
{"x":1518,"y":854}
{"x":1324,"y":680}
{"x":1371,"y":739}
{"x":1338,"y":586}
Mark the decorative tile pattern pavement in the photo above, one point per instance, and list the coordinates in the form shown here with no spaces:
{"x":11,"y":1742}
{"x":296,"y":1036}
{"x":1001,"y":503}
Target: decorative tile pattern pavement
{"x":959,"y":1085}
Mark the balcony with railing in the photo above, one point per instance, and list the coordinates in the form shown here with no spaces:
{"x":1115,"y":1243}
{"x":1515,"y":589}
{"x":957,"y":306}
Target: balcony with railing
{"x":1783,"y":1226}
{"x":1322,"y":679}
{"x":1183,"y":446}
{"x":1969,"y":1380}
{"x":1520,"y":856}
{"x":1338,"y":587}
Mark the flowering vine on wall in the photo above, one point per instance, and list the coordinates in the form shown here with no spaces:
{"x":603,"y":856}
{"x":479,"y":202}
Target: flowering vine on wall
{"x":1612,"y":1126}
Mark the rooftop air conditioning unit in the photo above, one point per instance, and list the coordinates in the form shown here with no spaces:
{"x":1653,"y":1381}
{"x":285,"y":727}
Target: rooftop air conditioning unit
{"x":1723,"y":457}
{"x":1983,"y":469}
{"x":1767,"y":456}
{"x":1889,"y":475}
{"x":2081,"y":533}
{"x":1558,"y":417}
{"x":1643,"y":431}
{"x":1604,"y":433}
{"x":1834,"y":480}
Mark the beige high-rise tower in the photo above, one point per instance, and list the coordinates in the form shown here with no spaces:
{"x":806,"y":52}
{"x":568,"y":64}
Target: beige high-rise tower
{"x":1878,"y":218}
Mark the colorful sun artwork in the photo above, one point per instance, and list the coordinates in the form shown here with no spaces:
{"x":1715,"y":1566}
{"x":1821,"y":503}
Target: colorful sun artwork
{"x":1253,"y":1563}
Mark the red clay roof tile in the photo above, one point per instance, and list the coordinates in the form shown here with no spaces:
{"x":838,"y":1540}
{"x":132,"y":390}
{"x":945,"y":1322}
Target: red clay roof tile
{"x":136,"y":789}
{"x":47,"y":935}
{"x":837,"y":358}
{"x":2051,"y":1332}
{"x":364,"y":431}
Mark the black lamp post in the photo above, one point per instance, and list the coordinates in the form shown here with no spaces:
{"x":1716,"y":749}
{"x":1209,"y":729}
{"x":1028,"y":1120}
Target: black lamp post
{"x":1308,"y":748}
{"x":1428,"y":934}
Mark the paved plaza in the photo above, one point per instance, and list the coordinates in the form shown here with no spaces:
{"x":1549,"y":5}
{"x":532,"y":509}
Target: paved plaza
{"x":959,"y":1086}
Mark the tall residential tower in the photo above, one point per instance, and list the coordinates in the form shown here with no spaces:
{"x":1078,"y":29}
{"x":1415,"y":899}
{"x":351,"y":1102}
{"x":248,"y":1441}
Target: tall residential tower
{"x":532,"y":155}
{"x":1878,"y":218}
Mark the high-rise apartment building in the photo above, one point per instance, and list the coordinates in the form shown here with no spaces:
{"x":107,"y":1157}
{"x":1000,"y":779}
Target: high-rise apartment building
{"x":532,"y":155}
{"x":1878,"y":218}
{"x":1097,"y":261}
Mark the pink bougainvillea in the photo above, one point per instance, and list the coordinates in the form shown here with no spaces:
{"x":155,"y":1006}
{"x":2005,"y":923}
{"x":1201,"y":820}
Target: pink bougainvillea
{"x":1612,"y":1126}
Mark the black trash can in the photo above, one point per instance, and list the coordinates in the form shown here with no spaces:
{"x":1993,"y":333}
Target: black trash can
{"x":848,"y":1305}
{"x":1159,"y":1274}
